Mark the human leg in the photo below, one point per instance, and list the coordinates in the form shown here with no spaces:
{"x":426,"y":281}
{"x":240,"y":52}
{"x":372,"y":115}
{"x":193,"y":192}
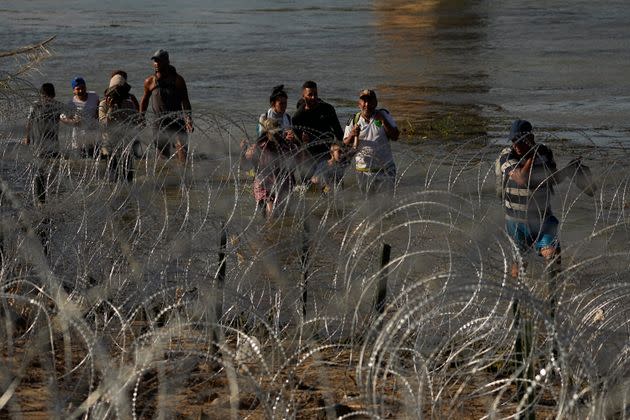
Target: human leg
{"x":548,"y":246}
{"x":520,"y":233}
{"x":181,"y":146}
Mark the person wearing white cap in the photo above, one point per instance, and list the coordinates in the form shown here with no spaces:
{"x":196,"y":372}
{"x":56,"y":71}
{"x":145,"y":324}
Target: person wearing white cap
{"x":119,"y":117}
{"x":369,"y":134}
{"x":170,"y":105}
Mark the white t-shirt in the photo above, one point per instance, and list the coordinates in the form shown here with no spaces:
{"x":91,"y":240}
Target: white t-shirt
{"x":374,"y":151}
{"x":285,"y":121}
{"x":87,"y":111}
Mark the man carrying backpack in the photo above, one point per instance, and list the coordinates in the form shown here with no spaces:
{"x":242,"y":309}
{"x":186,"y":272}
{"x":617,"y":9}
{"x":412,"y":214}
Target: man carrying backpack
{"x":369,"y":134}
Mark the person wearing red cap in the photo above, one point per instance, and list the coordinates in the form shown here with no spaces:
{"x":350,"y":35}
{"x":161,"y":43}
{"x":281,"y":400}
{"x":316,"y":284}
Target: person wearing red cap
{"x":369,"y":134}
{"x":171,"y":106}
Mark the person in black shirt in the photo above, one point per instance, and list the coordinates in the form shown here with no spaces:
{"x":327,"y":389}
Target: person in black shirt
{"x":316,"y":124}
{"x":42,"y":134}
{"x":42,"y":127}
{"x":171,"y":106}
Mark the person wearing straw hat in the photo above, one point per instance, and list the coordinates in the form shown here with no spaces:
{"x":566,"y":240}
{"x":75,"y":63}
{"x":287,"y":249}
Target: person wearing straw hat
{"x":119,"y":117}
{"x":369,"y":134}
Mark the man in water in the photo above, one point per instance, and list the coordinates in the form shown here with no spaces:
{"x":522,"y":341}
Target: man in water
{"x":42,"y":133}
{"x":529,"y":177}
{"x":42,"y":127}
{"x":316,"y":124}
{"x":369,"y":134}
{"x":84,"y":120}
{"x":170,"y":105}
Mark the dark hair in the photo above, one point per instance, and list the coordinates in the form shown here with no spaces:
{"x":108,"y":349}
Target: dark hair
{"x":309,"y":84}
{"x":276,"y":93}
{"x":120,"y":72}
{"x":47,"y":89}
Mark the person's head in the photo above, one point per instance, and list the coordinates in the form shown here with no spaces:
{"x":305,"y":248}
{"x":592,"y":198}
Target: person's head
{"x":309,"y":94}
{"x":79,"y":87}
{"x":117,"y":80}
{"x":335,"y":152}
{"x":367,"y":102}
{"x":521,"y":136}
{"x":161,"y":60}
{"x":271,"y":130}
{"x":278,"y":99}
{"x":119,"y":73}
{"x":47,"y":91}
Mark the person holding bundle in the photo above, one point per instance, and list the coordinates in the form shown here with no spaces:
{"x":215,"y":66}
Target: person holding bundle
{"x":119,"y":118}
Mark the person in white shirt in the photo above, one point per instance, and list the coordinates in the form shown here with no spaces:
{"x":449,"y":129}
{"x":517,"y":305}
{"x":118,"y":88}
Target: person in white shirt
{"x":369,"y":133}
{"x":85,"y":138}
{"x":277,"y":111}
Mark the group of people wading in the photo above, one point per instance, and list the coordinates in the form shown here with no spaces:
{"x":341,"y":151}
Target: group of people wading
{"x":312,"y":146}
{"x":107,"y":128}
{"x":309,"y":147}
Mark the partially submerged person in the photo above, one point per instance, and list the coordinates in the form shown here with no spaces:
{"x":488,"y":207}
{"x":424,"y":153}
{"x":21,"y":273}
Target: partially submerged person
{"x":277,"y":111}
{"x":274,"y":178}
{"x":316,"y":125}
{"x":171,"y":106}
{"x":329,"y":173}
{"x":42,"y":134}
{"x":119,"y":118}
{"x":42,"y":127}
{"x":369,"y":134}
{"x":529,"y":176}
{"x":84,"y":118}
{"x":132,"y":97}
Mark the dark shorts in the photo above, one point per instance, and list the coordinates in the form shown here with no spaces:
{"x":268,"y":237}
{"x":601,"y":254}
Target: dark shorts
{"x":170,"y":136}
{"x":527,"y":235}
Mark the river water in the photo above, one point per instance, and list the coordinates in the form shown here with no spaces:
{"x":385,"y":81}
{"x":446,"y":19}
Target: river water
{"x":561,"y":64}
{"x":454,"y":70}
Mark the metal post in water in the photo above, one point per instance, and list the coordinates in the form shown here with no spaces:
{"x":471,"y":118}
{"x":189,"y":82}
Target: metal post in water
{"x":304,"y":264}
{"x":220,"y":277}
{"x":381,"y":292}
{"x":219,"y":283}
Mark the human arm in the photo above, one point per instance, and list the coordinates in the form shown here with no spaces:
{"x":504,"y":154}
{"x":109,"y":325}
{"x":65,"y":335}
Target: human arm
{"x":103,"y":108}
{"x":351,"y":135}
{"x":181,"y":84}
{"x":70,"y":109}
{"x":391,"y":129}
{"x":96,"y":111}
{"x":149,"y":84}
{"x":134,"y":101}
{"x":334,"y":124}
{"x":520,"y":173}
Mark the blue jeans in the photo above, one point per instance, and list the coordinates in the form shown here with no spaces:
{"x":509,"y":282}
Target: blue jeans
{"x":527,"y":235}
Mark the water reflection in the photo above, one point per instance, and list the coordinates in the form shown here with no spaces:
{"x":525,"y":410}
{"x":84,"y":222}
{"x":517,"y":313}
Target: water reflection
{"x":435,"y":60}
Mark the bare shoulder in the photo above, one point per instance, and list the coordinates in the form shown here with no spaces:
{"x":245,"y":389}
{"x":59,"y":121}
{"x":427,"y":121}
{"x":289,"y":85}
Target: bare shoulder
{"x":149,"y":82}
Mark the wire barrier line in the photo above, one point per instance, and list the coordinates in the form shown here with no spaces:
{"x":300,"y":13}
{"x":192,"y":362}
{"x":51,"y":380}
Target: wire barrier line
{"x":113,"y":302}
